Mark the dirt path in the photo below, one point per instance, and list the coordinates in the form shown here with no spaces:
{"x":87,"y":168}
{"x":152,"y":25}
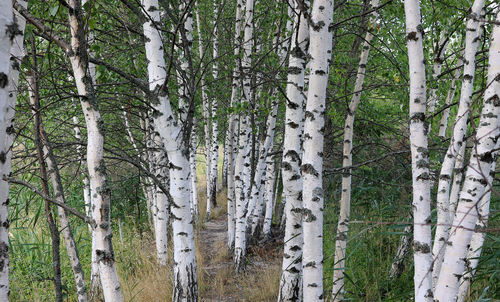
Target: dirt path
{"x":258,"y":283}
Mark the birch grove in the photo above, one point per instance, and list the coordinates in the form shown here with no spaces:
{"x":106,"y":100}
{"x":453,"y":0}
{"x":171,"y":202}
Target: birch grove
{"x":249,"y":150}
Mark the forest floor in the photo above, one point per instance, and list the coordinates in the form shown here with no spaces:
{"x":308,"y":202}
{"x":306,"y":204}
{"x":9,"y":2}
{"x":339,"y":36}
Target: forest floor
{"x":260,"y":280}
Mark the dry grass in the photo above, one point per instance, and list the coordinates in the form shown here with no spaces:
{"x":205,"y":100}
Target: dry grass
{"x":143,"y":280}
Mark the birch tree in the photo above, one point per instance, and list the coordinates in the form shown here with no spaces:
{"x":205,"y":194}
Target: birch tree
{"x":233,"y":130}
{"x":472,"y":39}
{"x":476,"y":178}
{"x":290,"y":282}
{"x":242,"y":164}
{"x":177,"y":148}
{"x":6,"y":20}
{"x":55,"y":179}
{"x":345,"y":201}
{"x":419,"y":154}
{"x":312,"y":161}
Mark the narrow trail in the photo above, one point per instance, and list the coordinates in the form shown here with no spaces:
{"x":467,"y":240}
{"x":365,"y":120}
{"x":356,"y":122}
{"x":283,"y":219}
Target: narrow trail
{"x":260,"y":280}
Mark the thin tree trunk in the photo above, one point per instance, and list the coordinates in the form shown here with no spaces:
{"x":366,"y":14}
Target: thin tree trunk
{"x":338,"y":289}
{"x":9,"y":72}
{"x":206,"y":116}
{"x":232,"y":131}
{"x":449,"y":99}
{"x":242,"y":165}
{"x":419,"y":154}
{"x":458,"y":175}
{"x":475,"y":183}
{"x":54,"y":231}
{"x":214,"y":144}
{"x":268,"y":196}
{"x":312,"y":160}
{"x":55,"y":179}
{"x":291,"y":272}
{"x":160,"y":202}
{"x":177,"y":148}
{"x":397,"y":266}
{"x":477,"y":240}
{"x":101,"y":207}
{"x":192,"y":172}
{"x":457,"y":140}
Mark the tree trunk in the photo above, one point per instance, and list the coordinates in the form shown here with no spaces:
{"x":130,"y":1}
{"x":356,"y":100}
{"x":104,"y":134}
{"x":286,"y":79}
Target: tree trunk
{"x":95,"y":153}
{"x":242,"y":165}
{"x":419,"y":154}
{"x":233,"y":122}
{"x":268,"y":196}
{"x":55,"y":179}
{"x":449,"y":99}
{"x":477,"y":240}
{"x":312,"y":161}
{"x":177,"y":148}
{"x":476,"y":179}
{"x":291,"y":279}
{"x":472,"y":38}
{"x":338,"y":289}
{"x":10,"y":43}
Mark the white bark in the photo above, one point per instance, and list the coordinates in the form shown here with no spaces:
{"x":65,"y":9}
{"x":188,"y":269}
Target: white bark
{"x":436,"y":70}
{"x":232,"y":132}
{"x":312,"y":161}
{"x":419,"y":154}
{"x":6,"y":20}
{"x":345,"y":201}
{"x":449,"y":99}
{"x":291,"y":279}
{"x":95,"y":152}
{"x":268,"y":196}
{"x":475,"y":183}
{"x":477,"y":240}
{"x":160,"y":203}
{"x":185,"y":284}
{"x":458,"y":173}
{"x":214,"y":144}
{"x":443,"y":218}
{"x":206,"y":116}
{"x":192,"y":173}
{"x":242,"y":165}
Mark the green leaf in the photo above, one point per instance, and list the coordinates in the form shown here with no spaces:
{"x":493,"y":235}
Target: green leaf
{"x":53,"y":10}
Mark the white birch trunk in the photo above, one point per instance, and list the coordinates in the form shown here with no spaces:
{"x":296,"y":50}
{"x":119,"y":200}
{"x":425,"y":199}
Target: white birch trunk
{"x":312,"y":160}
{"x":436,"y":70}
{"x":232,"y":132}
{"x":55,"y":179}
{"x":419,"y":155}
{"x":6,"y":20}
{"x":268,"y":196}
{"x":459,"y":130}
{"x":185,"y":281}
{"x":214,"y":145}
{"x":206,"y":116}
{"x":449,"y":99}
{"x":475,"y":184}
{"x":192,"y":173}
{"x":242,"y":165}
{"x":160,"y":203}
{"x":345,"y":201}
{"x":477,"y":240}
{"x":95,"y":151}
{"x":291,"y":272}
{"x":458,"y":173}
